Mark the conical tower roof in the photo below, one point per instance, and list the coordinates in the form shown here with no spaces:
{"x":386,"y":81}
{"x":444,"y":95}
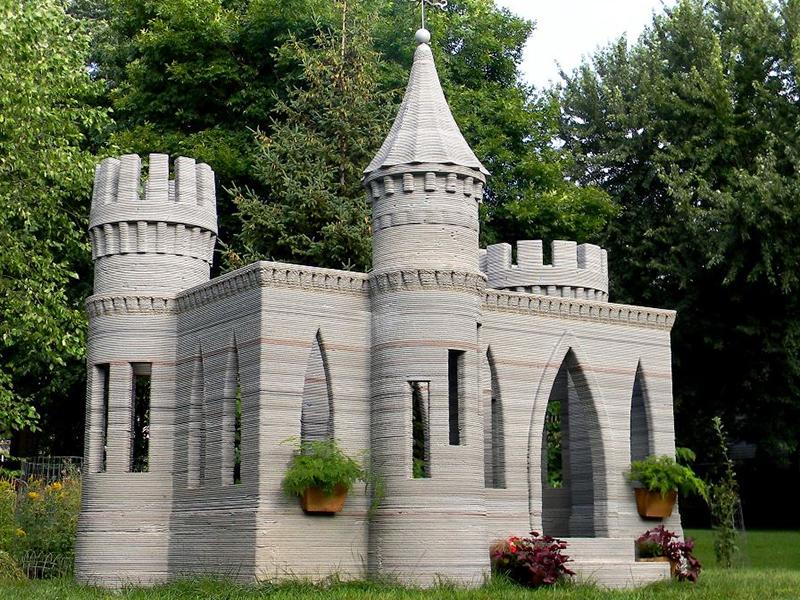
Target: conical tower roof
{"x":424,"y":130}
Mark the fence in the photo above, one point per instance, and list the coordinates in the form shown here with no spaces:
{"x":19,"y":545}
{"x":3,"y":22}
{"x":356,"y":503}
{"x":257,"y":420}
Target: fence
{"x":50,"y":468}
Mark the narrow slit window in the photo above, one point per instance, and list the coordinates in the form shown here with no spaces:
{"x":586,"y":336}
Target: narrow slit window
{"x":420,"y":430}
{"x":237,"y":434}
{"x":140,"y":434}
{"x":196,"y":465}
{"x":104,"y":386}
{"x":455,"y":392}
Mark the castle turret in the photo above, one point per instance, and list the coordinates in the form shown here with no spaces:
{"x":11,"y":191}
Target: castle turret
{"x":160,"y":241}
{"x":146,"y":248}
{"x":425,"y":185}
{"x":576,"y":271}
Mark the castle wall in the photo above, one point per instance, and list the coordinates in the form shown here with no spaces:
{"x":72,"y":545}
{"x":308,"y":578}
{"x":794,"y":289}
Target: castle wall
{"x":530,"y":336}
{"x":301,"y":305}
{"x":262,"y":322}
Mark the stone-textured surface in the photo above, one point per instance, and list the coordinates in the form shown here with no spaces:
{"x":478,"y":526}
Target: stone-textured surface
{"x":577,"y":271}
{"x":317,"y":352}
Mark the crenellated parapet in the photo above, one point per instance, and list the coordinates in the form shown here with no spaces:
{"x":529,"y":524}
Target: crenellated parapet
{"x":576,"y":271}
{"x":163,"y":216}
{"x":170,"y":225}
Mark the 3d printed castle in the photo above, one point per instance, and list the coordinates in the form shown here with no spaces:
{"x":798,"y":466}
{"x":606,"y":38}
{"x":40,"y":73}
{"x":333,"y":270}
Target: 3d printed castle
{"x":473,"y":344}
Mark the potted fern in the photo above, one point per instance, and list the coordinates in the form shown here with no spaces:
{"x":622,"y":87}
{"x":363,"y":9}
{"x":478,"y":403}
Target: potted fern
{"x":320,"y":475}
{"x":659,"y":480}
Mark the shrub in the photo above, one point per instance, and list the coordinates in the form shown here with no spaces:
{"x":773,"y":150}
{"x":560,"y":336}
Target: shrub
{"x":531,"y":561}
{"x":9,"y":569}
{"x":661,"y":542}
{"x":47,"y":518}
{"x":321,"y":464}
{"x":724,"y":502}
{"x":663,"y":474}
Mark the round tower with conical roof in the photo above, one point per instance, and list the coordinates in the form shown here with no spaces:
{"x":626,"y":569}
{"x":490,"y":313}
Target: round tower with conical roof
{"x":425,"y":185}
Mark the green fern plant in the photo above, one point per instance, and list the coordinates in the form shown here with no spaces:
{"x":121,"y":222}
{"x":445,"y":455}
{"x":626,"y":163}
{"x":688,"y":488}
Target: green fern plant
{"x":663,"y":474}
{"x":321,"y":464}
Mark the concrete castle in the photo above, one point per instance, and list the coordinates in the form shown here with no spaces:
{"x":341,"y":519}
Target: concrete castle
{"x":476,"y":345}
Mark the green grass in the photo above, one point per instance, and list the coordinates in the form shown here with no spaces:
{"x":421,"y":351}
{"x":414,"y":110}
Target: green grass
{"x":773,"y":573}
{"x":717,"y":584}
{"x":760,"y":549}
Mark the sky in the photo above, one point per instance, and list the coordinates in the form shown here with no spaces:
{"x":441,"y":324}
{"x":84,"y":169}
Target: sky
{"x":567,"y":30}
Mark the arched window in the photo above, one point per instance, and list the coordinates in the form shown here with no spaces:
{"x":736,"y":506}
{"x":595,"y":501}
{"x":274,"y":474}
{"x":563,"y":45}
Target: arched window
{"x":316,"y":418}
{"x":571,"y":458}
{"x":640,"y":426}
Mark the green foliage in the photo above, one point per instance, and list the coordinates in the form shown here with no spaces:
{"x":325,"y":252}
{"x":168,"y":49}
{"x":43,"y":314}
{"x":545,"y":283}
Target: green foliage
{"x":321,"y":464}
{"x":47,"y":518}
{"x":553,"y":441}
{"x":724,"y":502}
{"x":693,"y":131}
{"x":319,"y":81}
{"x":775,"y":584}
{"x":313,"y":209}
{"x":9,"y":569}
{"x":48,"y":124}
{"x":38,"y":519}
{"x":663,"y":474}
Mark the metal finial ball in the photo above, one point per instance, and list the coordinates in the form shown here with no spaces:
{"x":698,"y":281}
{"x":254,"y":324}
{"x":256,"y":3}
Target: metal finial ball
{"x":423,"y":36}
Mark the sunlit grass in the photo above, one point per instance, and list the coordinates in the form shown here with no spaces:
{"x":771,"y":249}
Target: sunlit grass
{"x":773,"y":573}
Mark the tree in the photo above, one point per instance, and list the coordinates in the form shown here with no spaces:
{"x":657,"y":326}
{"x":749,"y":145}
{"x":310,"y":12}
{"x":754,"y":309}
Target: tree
{"x":197,"y":77}
{"x":311,"y":159}
{"x":693,"y":130}
{"x":48,"y":125}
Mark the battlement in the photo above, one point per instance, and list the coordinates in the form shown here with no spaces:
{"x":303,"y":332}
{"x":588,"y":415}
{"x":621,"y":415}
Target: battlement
{"x":577,"y":271}
{"x":158,"y":216}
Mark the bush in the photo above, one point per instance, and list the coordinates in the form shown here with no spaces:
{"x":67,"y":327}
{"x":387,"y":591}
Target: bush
{"x":724,"y":502}
{"x":45,"y":524}
{"x":321,"y":464}
{"x":9,"y":569}
{"x":661,"y":542}
{"x":531,"y":561}
{"x":662,"y":474}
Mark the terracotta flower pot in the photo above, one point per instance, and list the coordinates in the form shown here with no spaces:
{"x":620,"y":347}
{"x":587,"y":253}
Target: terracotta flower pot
{"x":315,"y":501}
{"x":652,"y":505}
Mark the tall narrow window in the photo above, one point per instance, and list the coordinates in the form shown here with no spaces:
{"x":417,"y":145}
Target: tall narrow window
{"x":420,"y":429}
{"x":237,"y":434}
{"x":103,"y":379}
{"x":140,"y":435}
{"x":640,"y":430}
{"x":316,"y":413}
{"x":197,"y":425}
{"x":455,"y":392}
{"x":495,"y":477}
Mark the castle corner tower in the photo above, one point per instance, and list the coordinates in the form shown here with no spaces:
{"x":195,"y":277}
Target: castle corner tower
{"x":425,"y":185}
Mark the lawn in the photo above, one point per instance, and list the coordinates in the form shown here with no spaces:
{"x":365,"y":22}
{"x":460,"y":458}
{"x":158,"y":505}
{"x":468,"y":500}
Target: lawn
{"x":761,"y":549}
{"x":773,"y":574}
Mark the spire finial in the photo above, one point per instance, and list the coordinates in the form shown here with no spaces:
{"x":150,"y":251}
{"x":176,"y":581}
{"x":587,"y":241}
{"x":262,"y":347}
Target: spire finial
{"x":423,"y":36}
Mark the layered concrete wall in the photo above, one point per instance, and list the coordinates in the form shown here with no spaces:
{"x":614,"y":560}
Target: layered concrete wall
{"x":603,"y":346}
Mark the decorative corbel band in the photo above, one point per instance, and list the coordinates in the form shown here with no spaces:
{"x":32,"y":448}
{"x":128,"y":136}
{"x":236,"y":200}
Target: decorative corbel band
{"x":115,"y":305}
{"x":425,"y":279}
{"x":583,"y":310}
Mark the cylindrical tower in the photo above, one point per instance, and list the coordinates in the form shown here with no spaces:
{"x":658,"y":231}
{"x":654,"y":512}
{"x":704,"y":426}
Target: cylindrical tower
{"x":159,"y":242}
{"x":146,"y":248}
{"x":425,"y":185}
